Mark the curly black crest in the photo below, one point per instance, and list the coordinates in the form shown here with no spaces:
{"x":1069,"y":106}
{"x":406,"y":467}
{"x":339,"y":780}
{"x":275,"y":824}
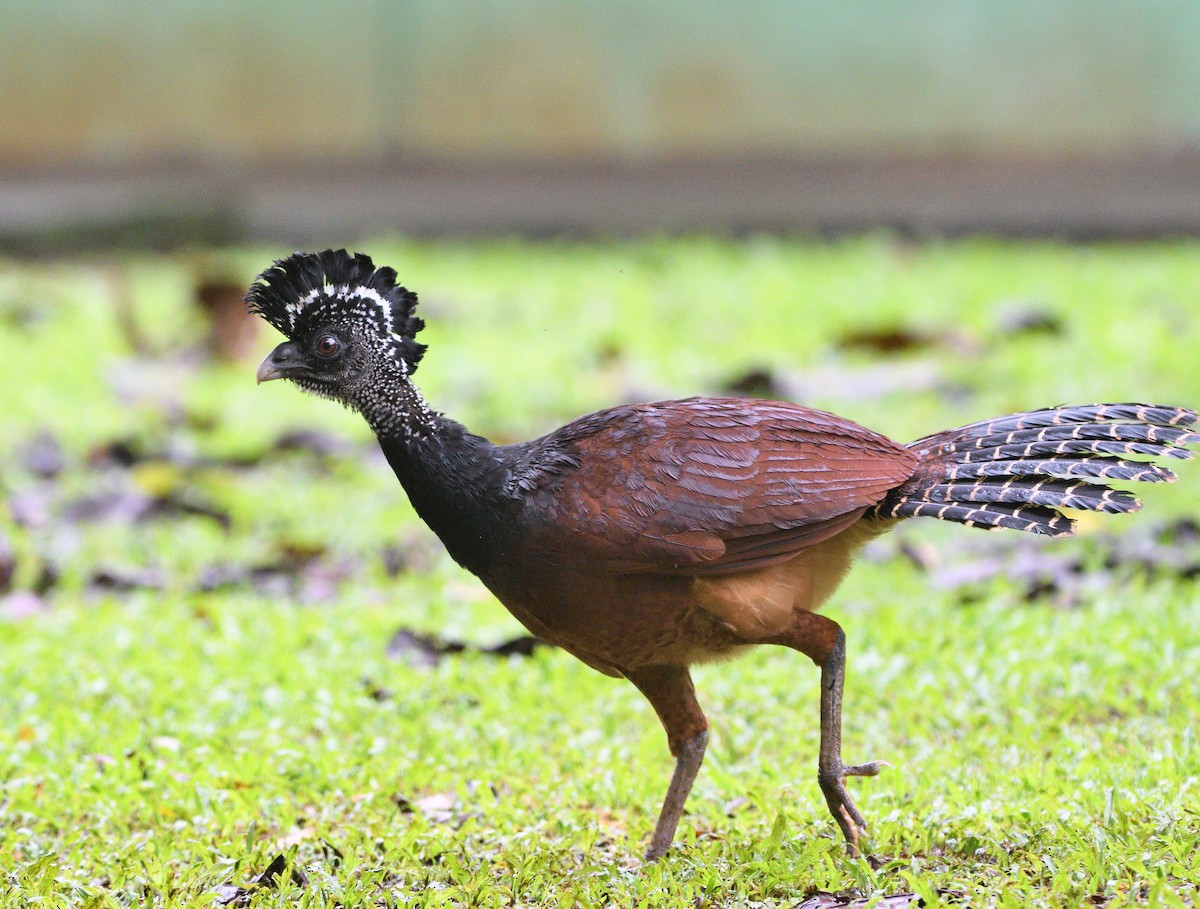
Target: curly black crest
{"x":305,"y":290}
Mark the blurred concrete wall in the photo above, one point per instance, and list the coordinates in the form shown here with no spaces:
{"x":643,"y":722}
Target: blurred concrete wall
{"x":300,"y":120}
{"x":121,"y":82}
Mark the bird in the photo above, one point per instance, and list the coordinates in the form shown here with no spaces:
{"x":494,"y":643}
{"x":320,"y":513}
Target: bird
{"x":650,"y":537}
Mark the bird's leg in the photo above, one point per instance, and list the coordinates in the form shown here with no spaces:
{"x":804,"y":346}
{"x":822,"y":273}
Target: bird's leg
{"x":831,"y":772}
{"x":669,"y":690}
{"x":824,"y":642}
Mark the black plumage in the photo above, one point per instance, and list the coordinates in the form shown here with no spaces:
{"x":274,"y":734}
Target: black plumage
{"x":304,"y":291}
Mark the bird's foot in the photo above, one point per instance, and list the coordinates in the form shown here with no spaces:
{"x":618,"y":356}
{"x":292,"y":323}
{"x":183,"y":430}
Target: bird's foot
{"x":841,"y":805}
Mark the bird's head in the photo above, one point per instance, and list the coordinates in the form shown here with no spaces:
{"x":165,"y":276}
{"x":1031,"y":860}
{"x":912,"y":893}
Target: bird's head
{"x":348,"y":324}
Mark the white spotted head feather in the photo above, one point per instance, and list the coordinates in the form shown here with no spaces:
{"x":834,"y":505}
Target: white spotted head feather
{"x":306,"y":290}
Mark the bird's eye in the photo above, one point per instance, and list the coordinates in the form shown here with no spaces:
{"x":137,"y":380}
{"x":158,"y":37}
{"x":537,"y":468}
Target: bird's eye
{"x":327,"y":346}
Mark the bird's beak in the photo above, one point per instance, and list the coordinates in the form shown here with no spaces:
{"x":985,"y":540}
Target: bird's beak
{"x":283,"y":360}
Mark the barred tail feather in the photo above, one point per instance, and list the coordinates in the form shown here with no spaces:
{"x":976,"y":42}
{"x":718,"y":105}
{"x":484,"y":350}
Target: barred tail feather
{"x":1031,"y":518}
{"x":1152,"y":414}
{"x":1065,"y":467}
{"x":1072,"y":446}
{"x":1026,"y":491}
{"x":1017,"y":471}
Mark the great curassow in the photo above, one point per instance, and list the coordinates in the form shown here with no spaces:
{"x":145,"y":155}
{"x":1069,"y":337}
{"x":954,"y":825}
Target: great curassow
{"x":648,"y":537}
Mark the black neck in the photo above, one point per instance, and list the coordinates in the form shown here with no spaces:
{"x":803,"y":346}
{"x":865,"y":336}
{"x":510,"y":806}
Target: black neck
{"x":455,"y":480}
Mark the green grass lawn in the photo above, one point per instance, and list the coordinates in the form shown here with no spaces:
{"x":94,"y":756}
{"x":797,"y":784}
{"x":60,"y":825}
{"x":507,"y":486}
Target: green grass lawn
{"x":194,"y":621}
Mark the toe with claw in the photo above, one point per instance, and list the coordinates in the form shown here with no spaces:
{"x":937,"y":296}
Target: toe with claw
{"x":841,"y":805}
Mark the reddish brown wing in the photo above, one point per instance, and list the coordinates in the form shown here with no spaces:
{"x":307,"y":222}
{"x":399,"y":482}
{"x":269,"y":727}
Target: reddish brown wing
{"x":709,"y":485}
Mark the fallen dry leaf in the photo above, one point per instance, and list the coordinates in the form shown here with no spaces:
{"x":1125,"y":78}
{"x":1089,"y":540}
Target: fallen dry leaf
{"x":425,"y":650}
{"x":900,"y":340}
{"x":229,"y":895}
{"x":836,"y":901}
{"x":126,"y":580}
{"x":843,"y":382}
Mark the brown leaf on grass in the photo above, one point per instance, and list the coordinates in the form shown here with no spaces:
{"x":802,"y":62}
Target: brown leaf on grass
{"x":126,"y":580}
{"x":119,"y":499}
{"x":123,"y":453}
{"x":437,"y":808}
{"x":229,"y":895}
{"x":307,"y":576}
{"x":887,"y":340}
{"x":823,"y":900}
{"x":521,"y":645}
{"x":899,"y":339}
{"x":178,"y":449}
{"x":842,"y":382}
{"x":175,"y":450}
{"x":425,"y":650}
{"x":173,"y":505}
{"x":421,"y":650}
